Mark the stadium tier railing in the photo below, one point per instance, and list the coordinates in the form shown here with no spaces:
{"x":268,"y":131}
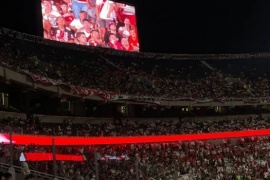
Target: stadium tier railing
{"x":97,"y":120}
{"x":20,"y":175}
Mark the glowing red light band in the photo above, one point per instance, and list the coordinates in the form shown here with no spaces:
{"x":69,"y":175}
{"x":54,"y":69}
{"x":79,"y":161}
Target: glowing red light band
{"x":68,"y":141}
{"x":49,"y":157}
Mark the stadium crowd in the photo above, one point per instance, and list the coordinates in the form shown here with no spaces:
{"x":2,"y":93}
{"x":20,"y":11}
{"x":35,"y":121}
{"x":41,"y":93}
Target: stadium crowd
{"x":136,"y":76}
{"x":5,"y":176}
{"x":101,"y":23}
{"x":244,"y":158}
{"x":127,"y":127}
{"x":9,"y":176}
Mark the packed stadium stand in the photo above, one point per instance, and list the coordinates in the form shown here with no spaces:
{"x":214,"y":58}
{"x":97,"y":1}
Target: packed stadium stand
{"x":180,"y":97}
{"x":137,"y":76}
{"x":198,"y":159}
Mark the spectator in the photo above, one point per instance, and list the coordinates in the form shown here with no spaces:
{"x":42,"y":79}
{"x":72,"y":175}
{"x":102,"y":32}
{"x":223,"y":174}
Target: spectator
{"x":81,"y":38}
{"x":8,"y":176}
{"x":114,"y":43}
{"x":125,"y":45}
{"x":50,"y":14}
{"x":112,"y":30}
{"x":79,"y":6}
{"x":88,"y":26}
{"x":47,"y":29}
{"x":127,"y":25}
{"x":91,"y":9}
{"x":30,"y":177}
{"x":67,"y":13}
{"x":61,"y":32}
{"x":133,"y":40}
{"x":77,"y":24}
{"x":95,"y":39}
{"x":2,"y":177}
{"x":104,"y":13}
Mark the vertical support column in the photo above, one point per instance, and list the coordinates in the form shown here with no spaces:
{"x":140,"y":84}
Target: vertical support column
{"x":137,"y":170}
{"x":96,"y":165}
{"x":54,"y":158}
{"x":11,"y":146}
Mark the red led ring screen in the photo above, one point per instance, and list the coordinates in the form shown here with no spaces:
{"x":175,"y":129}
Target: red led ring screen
{"x":49,"y":157}
{"x":69,"y":141}
{"x":99,"y":23}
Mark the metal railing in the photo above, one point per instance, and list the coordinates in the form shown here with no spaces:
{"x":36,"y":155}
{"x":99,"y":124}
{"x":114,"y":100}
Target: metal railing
{"x":39,"y":175}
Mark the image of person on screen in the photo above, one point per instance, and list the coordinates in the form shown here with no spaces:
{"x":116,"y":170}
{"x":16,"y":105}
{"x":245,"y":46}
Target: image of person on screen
{"x":43,"y":4}
{"x":123,"y":33}
{"x":119,"y":13}
{"x":68,"y":2}
{"x":112,"y":30}
{"x":125,"y":44}
{"x":87,"y":28}
{"x":46,"y":35}
{"x":49,"y":14}
{"x":133,"y":40}
{"x":78,"y":6}
{"x":61,"y":32}
{"x":77,"y":24}
{"x":124,"y":11}
{"x":114,"y":43}
{"x":127,"y":26}
{"x":125,"y":30}
{"x":91,"y":9}
{"x":104,"y":14}
{"x":81,"y":39}
{"x":66,"y":13}
{"x":47,"y":29}
{"x":95,"y":39}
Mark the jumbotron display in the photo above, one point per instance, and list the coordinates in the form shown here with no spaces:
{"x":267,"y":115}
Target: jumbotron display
{"x":100,"y":23}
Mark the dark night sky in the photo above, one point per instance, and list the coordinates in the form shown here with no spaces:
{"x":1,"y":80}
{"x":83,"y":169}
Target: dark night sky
{"x":177,"y":26}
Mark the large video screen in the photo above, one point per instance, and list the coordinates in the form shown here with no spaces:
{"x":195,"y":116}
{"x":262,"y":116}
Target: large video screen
{"x":100,"y":23}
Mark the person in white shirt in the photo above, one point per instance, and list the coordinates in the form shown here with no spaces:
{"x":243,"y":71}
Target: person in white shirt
{"x":87,"y":28}
{"x":104,"y":14}
{"x":91,"y":9}
{"x":54,"y":8}
{"x":49,"y":14}
{"x":77,"y":24}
